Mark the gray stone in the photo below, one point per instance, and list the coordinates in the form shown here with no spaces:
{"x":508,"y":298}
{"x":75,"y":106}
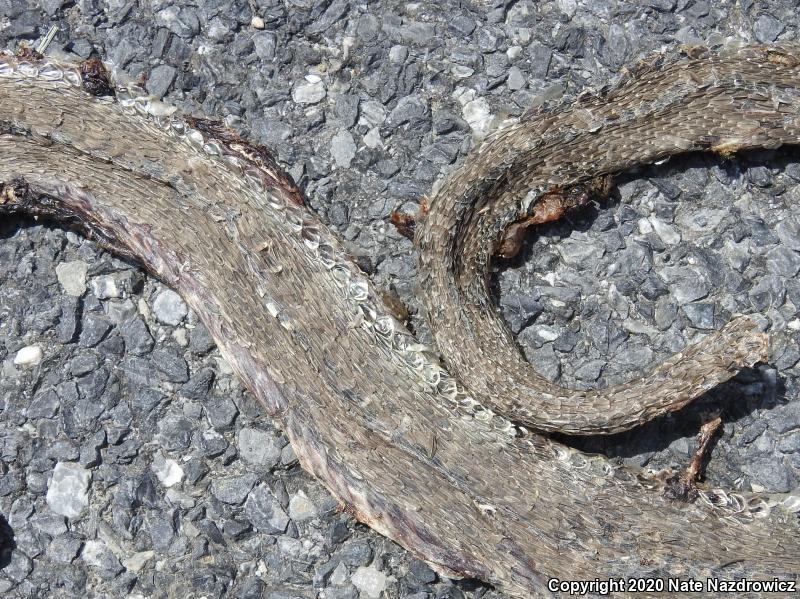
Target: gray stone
{"x":50,"y":524}
{"x":97,"y":555}
{"x":45,"y":404}
{"x":687,"y":286}
{"x":590,"y":371}
{"x":221,"y":412}
{"x":136,"y":336}
{"x":309,"y":92}
{"x":355,"y":553}
{"x":68,"y":491}
{"x":160,"y":80}
{"x":478,"y":115}
{"x":301,"y":507}
{"x":265,"y":512}
{"x":68,"y":322}
{"x":83,"y":364}
{"x":64,"y":549}
{"x":106,"y":287}
{"x":516,"y":80}
{"x":259,"y":448}
{"x":408,"y":108}
{"x":200,"y":340}
{"x":767,"y":28}
{"x":19,"y":566}
{"x":370,"y":581}
{"x":171,"y":364}
{"x":700,"y":314}
{"x":577,"y":250}
{"x":94,"y":328}
{"x":343,"y":148}
{"x":233,"y":489}
{"x":72,"y":276}
{"x":346,"y":108}
{"x":790,"y":443}
{"x":199,"y":384}
{"x":398,"y":54}
{"x":783,"y":262}
{"x":771,"y":474}
{"x":175,"y":433}
{"x":169,"y":308}
{"x":540,"y":56}
{"x":416,"y":32}
{"x":462,"y":24}
{"x":265,"y":43}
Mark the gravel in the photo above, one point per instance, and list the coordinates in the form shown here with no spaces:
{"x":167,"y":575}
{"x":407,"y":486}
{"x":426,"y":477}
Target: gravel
{"x":132,"y":462}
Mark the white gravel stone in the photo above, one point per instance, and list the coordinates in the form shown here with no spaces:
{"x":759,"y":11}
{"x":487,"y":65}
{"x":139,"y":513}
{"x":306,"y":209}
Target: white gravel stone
{"x":339,"y":576}
{"x":546,"y":333}
{"x":68,"y":491}
{"x":167,"y":470}
{"x":29,"y":356}
{"x":72,"y":276}
{"x":373,"y":138}
{"x":301,"y":507}
{"x":369,"y":581}
{"x":372,"y":113}
{"x":310,"y":92}
{"x":668,"y":234}
{"x":105,"y":287}
{"x":136,"y":562}
{"x":516,"y":79}
{"x":343,"y":148}
{"x":169,"y":308}
{"x":478,"y":115}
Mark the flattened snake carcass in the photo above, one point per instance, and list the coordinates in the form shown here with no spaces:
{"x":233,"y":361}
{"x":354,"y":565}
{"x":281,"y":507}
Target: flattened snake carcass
{"x":360,"y":400}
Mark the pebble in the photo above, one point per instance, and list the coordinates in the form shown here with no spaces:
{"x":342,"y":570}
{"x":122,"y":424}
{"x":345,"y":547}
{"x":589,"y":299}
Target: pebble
{"x":137,"y":561}
{"x":68,"y":491}
{"x":233,"y":489}
{"x":265,"y":512}
{"x":478,"y":115}
{"x":301,"y":507}
{"x":99,"y":556}
{"x":160,"y":80}
{"x":105,"y":287}
{"x":370,"y":581}
{"x":310,"y":92}
{"x":767,"y":28}
{"x":167,"y":470}
{"x":259,"y":448}
{"x":72,"y":276}
{"x":343,"y":148}
{"x":169,"y":308}
{"x":137,"y":337}
{"x":29,"y":356}
{"x":516,"y":80}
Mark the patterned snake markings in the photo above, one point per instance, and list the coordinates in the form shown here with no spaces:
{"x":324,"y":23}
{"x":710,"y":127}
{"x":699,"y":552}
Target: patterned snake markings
{"x":445,"y":466}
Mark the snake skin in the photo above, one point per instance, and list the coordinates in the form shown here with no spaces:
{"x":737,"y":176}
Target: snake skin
{"x":427,"y":459}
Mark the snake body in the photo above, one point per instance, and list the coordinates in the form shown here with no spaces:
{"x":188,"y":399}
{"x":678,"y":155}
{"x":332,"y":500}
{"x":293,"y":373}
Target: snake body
{"x":438,"y":462}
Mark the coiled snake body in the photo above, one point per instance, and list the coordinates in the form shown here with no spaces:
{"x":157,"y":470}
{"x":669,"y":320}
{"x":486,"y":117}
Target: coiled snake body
{"x":423,"y":457}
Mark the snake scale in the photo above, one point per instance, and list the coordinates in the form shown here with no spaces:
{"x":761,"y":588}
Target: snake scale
{"x":451,"y":466}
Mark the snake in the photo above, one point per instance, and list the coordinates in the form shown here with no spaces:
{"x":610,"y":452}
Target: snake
{"x":447,"y":450}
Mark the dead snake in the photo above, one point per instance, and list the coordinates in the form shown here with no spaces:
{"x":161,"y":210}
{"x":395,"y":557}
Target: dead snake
{"x":423,"y":457}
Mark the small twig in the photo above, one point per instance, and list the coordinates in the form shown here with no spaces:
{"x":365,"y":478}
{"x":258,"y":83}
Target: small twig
{"x":683,"y":486}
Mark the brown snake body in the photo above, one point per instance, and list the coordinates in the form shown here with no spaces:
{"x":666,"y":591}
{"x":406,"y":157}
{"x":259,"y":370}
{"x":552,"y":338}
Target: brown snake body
{"x":418,"y":455}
